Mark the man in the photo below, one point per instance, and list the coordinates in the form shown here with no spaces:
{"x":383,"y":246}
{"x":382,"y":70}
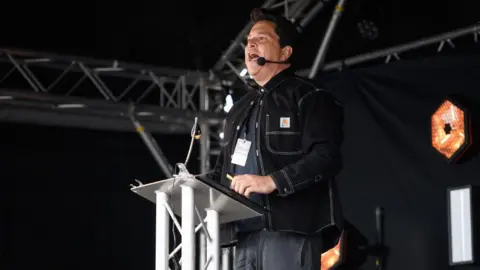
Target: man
{"x":282,"y":145}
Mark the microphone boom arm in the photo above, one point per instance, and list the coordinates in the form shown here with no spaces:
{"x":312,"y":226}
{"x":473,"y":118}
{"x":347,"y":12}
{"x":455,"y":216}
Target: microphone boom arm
{"x":261,"y":61}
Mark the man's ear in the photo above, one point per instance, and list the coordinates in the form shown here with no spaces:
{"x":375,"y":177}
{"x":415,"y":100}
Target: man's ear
{"x":286,"y":53}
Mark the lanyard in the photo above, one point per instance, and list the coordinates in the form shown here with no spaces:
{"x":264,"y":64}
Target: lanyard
{"x":249,"y":114}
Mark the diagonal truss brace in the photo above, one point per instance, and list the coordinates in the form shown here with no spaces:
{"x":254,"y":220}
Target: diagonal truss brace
{"x":179,"y":227}
{"x":202,"y":226}
{"x":111,"y":81}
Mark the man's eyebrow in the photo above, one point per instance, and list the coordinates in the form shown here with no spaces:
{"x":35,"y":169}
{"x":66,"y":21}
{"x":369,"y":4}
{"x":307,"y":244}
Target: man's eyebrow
{"x":261,"y":33}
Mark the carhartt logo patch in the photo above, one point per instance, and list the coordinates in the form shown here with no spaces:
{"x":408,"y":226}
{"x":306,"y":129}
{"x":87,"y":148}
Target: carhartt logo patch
{"x":285,"y":122}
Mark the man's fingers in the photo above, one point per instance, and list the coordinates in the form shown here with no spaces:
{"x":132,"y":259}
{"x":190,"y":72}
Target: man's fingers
{"x":235,"y":181}
{"x":248,"y":191}
{"x":242,"y":188}
{"x":236,"y":186}
{"x":241,"y":183}
{"x":238,"y":177}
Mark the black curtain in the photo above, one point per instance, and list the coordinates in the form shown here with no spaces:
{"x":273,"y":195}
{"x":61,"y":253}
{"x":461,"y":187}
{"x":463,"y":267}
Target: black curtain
{"x":389,"y":160}
{"x":66,"y":199}
{"x":65,"y":192}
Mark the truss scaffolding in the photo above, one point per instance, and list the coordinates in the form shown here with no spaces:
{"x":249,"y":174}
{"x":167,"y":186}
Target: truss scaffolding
{"x":110,"y":80}
{"x":393,"y":53}
{"x":72,"y":91}
{"x":322,"y":50}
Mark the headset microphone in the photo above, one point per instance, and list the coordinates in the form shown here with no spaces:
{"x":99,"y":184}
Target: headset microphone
{"x":261,"y":61}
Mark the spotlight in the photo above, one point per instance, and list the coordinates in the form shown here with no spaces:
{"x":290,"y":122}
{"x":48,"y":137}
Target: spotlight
{"x":367,"y":29}
{"x":350,"y":248}
{"x":334,"y":257}
{"x":463,"y":223}
{"x":450,"y":129}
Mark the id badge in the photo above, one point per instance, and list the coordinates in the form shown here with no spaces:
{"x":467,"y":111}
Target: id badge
{"x":240,"y":154}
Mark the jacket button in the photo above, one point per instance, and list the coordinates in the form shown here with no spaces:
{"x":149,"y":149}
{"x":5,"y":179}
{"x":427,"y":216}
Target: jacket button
{"x":286,"y":190}
{"x":238,"y":127}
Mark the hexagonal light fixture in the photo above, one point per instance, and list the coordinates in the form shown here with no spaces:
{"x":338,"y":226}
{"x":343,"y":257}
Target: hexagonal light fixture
{"x":450,"y":127}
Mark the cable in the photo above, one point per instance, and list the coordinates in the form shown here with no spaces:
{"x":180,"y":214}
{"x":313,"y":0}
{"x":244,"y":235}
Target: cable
{"x":192,"y":133}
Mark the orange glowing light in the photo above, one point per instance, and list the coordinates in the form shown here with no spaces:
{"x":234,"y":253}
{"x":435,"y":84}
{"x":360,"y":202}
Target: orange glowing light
{"x":449,"y":130}
{"x":333,"y":256}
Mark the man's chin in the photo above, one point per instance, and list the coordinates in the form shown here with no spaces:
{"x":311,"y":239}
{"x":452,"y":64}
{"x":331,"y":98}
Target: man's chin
{"x":252,"y":71}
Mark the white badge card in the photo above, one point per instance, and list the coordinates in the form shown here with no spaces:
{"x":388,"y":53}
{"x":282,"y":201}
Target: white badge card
{"x":240,"y":154}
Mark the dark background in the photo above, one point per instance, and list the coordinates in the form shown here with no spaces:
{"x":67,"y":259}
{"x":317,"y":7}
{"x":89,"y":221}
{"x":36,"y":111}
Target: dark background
{"x":193,"y":34}
{"x":65,"y":199}
{"x":389,"y":160}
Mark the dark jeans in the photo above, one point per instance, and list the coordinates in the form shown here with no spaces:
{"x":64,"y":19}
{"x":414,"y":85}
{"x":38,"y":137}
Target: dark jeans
{"x":265,"y":250}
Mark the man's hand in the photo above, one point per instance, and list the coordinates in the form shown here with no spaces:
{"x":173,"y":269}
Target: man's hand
{"x":247,"y":183}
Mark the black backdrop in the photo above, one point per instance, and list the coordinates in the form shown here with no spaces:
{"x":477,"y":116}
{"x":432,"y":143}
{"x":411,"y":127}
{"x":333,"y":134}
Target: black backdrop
{"x":389,"y":160}
{"x":65,"y":200}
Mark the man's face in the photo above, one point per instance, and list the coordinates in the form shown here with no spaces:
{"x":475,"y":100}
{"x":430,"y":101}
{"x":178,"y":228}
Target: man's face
{"x":262,"y":41}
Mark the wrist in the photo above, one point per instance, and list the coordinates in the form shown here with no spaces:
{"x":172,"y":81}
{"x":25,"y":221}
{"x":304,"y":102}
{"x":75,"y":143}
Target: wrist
{"x":272,"y":182}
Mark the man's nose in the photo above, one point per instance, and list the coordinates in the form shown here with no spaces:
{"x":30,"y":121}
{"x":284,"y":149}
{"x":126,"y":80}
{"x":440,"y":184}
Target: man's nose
{"x":252,"y":44}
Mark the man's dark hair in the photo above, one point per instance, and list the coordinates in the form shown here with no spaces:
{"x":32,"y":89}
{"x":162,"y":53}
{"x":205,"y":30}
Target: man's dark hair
{"x":286,"y":31}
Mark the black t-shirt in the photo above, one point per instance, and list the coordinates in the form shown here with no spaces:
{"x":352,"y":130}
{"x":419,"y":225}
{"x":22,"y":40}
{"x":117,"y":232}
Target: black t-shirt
{"x":248,"y":131}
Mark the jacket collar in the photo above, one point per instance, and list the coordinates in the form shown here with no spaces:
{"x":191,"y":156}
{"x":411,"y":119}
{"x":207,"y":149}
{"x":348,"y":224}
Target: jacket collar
{"x":277,"y":79}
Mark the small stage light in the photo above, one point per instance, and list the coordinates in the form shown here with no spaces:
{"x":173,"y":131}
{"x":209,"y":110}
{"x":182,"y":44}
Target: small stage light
{"x":334,"y":256}
{"x":450,"y":129}
{"x":463,"y":225}
{"x":367,"y":29}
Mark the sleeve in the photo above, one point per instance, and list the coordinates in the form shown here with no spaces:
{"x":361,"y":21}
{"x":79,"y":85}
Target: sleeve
{"x":321,"y":118}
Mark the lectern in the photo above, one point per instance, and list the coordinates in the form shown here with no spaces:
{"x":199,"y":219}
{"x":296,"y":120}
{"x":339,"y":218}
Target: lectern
{"x":197,"y":200}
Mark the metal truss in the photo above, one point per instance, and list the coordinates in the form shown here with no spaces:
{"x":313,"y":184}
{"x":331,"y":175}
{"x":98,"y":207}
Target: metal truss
{"x":322,"y":50}
{"x":111,"y":80}
{"x":71,"y":91}
{"x":393,"y":53}
{"x":301,"y":12}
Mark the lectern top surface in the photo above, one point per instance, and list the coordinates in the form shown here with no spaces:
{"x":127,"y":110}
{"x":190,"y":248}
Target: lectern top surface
{"x":208,"y":194}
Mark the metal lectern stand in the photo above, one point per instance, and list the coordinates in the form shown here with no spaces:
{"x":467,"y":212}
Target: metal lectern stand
{"x":193,"y":198}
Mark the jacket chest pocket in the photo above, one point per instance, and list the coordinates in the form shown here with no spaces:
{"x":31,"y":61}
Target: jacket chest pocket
{"x":282,"y":135}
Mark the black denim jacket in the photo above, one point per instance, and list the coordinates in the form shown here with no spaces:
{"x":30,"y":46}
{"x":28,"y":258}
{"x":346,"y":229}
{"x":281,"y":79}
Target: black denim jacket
{"x":299,"y":136}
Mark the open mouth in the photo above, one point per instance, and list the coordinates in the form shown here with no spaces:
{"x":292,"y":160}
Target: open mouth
{"x":252,"y":57}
